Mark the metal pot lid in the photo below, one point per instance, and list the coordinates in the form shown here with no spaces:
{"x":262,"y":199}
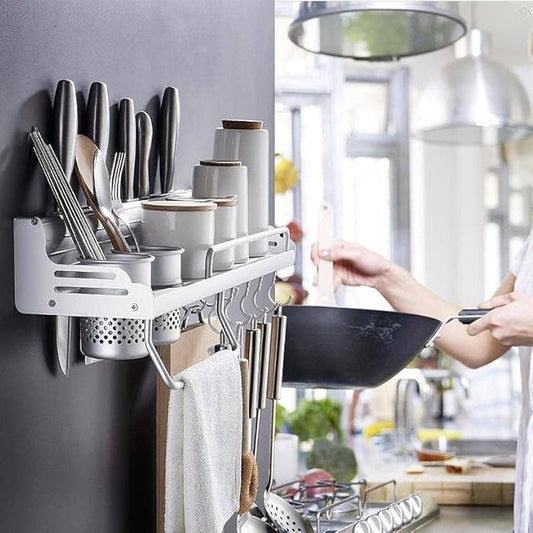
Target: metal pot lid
{"x":376,"y":31}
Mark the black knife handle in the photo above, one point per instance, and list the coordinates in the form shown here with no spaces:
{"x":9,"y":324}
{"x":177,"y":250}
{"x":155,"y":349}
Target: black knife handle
{"x":98,"y":115}
{"x":65,"y":126}
{"x":170,"y":120}
{"x":144,"y":144}
{"x":127,"y":135}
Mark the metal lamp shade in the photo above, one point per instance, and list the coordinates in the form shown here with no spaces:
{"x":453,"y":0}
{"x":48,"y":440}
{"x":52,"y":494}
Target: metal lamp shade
{"x":474,"y":100}
{"x":375,"y":31}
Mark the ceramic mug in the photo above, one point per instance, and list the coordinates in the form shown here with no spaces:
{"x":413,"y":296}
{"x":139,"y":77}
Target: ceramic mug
{"x":246,"y":141}
{"x":186,"y":224}
{"x":216,"y":178}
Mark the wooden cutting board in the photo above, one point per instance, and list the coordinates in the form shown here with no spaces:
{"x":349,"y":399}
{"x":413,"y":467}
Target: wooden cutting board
{"x":191,"y":348}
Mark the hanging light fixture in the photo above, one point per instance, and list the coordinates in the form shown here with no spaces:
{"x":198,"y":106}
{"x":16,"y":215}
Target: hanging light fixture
{"x":376,"y":30}
{"x":474,"y":100}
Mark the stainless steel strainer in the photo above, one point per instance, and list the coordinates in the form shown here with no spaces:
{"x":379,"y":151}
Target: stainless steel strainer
{"x":112,"y":338}
{"x":166,"y":328}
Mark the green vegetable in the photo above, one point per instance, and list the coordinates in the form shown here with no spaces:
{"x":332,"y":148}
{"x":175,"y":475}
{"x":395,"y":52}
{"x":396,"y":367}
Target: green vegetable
{"x":335,"y":458}
{"x":317,"y":418}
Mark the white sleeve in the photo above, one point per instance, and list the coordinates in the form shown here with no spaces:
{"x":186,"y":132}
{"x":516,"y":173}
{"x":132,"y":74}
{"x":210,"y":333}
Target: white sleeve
{"x":516,"y":263}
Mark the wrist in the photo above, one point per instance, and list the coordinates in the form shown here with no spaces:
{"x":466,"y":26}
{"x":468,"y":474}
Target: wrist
{"x":390,"y":277}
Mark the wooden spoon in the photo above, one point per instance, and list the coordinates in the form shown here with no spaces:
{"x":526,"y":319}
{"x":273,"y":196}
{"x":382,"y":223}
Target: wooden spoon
{"x":85,"y":155}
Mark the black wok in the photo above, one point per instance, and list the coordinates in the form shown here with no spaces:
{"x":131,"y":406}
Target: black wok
{"x":335,"y":347}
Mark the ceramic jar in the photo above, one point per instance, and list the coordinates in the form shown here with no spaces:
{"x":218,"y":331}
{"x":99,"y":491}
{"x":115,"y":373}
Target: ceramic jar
{"x":216,"y":178}
{"x":246,"y":141}
{"x":186,"y":224}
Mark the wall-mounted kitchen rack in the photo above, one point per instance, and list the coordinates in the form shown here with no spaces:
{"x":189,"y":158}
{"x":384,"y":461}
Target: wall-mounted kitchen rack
{"x":118,"y":317}
{"x":46,"y":284}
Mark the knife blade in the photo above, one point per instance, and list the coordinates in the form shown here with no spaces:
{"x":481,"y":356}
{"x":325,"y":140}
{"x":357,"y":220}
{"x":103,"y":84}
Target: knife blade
{"x":126,"y":143}
{"x":144,"y":144}
{"x":64,"y":131}
{"x":168,"y":141}
{"x":98,"y":115}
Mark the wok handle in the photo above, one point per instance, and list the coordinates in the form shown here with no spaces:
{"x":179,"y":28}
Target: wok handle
{"x":325,"y":294}
{"x":467,"y":316}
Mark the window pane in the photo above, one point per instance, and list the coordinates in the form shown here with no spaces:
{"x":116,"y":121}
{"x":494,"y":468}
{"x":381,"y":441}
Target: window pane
{"x":290,"y":59}
{"x":493,"y":275}
{"x":492,"y":197}
{"x":366,"y":107}
{"x":366,"y":217}
{"x":311,"y":179}
{"x":517,"y":211}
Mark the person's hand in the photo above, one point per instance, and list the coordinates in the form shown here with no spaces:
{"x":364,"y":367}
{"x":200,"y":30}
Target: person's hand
{"x":352,"y":264}
{"x":510,"y":322}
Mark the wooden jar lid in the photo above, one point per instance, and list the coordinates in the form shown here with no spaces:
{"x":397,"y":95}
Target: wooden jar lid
{"x":236,"y":124}
{"x":219,"y":163}
{"x":177,"y":204}
{"x":225,"y":201}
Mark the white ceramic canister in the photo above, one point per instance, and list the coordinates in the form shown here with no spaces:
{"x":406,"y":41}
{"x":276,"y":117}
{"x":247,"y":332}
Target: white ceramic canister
{"x":186,"y":224}
{"x":246,"y":141}
{"x":216,"y":178}
{"x":225,"y":230}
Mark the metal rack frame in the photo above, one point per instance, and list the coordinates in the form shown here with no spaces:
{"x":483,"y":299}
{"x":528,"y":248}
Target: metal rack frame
{"x":50,"y":281}
{"x":50,"y":287}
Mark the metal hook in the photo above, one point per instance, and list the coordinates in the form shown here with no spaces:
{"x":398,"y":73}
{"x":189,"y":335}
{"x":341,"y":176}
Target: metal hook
{"x":262,"y":310}
{"x":277,"y":305}
{"x":221,"y":312}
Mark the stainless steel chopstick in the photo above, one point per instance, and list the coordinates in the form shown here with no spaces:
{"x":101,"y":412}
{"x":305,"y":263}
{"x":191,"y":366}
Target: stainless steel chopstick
{"x":75,"y":219}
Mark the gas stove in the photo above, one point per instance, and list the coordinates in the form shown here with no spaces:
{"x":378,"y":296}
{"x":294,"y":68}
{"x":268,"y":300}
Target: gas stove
{"x":335,"y":507}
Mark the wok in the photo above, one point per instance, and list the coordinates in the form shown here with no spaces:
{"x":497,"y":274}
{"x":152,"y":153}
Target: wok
{"x":334,"y":347}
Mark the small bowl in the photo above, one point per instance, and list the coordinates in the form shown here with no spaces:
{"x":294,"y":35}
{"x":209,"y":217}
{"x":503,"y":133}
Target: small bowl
{"x":425,"y":454}
{"x":166,"y":268}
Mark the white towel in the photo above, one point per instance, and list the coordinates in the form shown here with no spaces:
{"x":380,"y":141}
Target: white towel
{"x":203,"y":456}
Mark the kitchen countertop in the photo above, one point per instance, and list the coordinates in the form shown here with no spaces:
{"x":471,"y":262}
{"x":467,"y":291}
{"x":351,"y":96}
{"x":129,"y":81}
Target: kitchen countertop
{"x":474,"y":519}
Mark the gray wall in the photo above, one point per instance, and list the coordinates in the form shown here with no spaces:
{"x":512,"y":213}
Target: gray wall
{"x":77,"y":454}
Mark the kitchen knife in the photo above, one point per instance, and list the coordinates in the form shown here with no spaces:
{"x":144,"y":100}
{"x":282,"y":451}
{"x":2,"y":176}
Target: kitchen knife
{"x":144,"y":144}
{"x":64,"y":131}
{"x":126,"y":143}
{"x":98,"y":116}
{"x":168,"y":141}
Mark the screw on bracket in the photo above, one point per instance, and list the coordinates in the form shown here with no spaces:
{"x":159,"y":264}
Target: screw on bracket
{"x":134,"y":307}
{"x":34,"y":221}
{"x":51,"y":303}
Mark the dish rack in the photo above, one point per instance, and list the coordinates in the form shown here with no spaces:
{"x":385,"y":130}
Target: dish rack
{"x":336,"y":507}
{"x":49,"y":280}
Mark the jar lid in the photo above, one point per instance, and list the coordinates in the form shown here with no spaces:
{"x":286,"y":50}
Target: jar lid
{"x":220,"y":163}
{"x":177,"y":204}
{"x":225,"y":201}
{"x":237,"y":124}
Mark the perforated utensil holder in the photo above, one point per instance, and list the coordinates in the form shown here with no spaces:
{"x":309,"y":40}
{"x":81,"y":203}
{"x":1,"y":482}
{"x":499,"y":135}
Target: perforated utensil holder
{"x":117,"y":338}
{"x":166,"y":328}
{"x":112,"y":338}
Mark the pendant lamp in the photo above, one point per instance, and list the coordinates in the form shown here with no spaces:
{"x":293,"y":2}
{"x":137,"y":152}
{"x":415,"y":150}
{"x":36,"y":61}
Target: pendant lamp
{"x":474,"y":100}
{"x":376,"y":31}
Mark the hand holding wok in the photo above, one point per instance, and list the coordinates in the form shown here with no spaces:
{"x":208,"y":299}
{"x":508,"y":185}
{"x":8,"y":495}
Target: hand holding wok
{"x":510,"y":321}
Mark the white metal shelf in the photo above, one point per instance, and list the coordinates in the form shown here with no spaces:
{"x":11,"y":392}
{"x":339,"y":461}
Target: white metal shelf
{"x":51,"y":287}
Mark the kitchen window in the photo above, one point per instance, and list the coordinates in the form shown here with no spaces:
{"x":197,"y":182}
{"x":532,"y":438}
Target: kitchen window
{"x":347,"y":132}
